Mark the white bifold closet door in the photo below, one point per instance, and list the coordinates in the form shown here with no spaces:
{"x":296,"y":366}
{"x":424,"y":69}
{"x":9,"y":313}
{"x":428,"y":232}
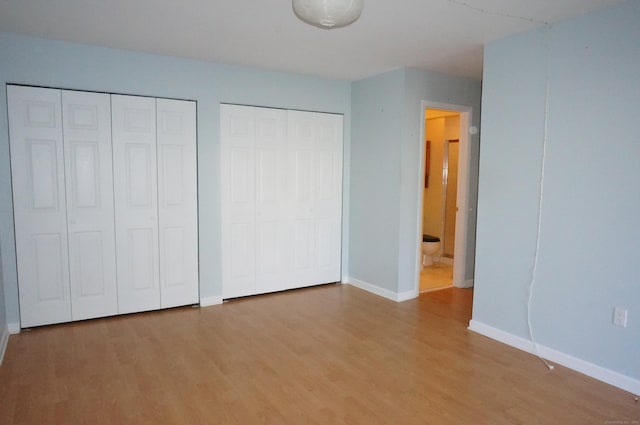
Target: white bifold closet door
{"x":89,"y":193}
{"x":154,"y":157}
{"x":281,"y":199}
{"x":177,"y":202}
{"x":238,"y":171}
{"x":256,"y":229}
{"x":136,"y":202}
{"x":315,"y":149}
{"x":272,"y":246}
{"x":63,"y":204}
{"x":40,"y":213}
{"x":105,"y":203}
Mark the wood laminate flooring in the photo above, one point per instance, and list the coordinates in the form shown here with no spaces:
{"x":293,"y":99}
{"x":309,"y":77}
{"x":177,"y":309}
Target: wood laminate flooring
{"x":332,"y":354}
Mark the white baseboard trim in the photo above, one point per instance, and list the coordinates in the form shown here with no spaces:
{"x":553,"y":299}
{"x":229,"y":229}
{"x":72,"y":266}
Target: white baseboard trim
{"x":4,"y":340}
{"x":209,"y":301}
{"x":465,"y":284}
{"x":14,"y":328}
{"x":594,"y":371}
{"x":390,"y":295}
{"x":406,"y":296}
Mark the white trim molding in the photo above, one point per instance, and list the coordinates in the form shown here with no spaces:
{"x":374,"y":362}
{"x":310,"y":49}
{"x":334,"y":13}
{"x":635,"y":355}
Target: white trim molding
{"x":406,"y":296}
{"x":464,"y":284}
{"x":600,"y":373}
{"x":4,"y":341}
{"x":14,"y":328}
{"x":209,"y":301}
{"x":385,"y":293}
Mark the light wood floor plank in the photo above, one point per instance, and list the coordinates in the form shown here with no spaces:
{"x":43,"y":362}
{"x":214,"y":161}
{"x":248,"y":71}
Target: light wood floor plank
{"x":326,"y":355}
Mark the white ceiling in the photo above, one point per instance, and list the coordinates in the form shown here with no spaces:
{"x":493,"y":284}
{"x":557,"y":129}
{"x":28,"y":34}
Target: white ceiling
{"x":439,"y":35}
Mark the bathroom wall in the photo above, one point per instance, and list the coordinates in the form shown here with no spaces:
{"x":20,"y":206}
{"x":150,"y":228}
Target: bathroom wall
{"x":432,"y":201}
{"x":452,"y":127}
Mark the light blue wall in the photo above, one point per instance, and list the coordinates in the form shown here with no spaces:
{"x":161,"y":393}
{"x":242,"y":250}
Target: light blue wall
{"x":385,"y":176}
{"x":589,"y":258}
{"x":58,"y":64}
{"x":377,"y":107}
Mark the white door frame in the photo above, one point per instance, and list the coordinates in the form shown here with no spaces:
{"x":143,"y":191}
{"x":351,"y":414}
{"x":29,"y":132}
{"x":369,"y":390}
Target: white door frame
{"x":462,"y":199}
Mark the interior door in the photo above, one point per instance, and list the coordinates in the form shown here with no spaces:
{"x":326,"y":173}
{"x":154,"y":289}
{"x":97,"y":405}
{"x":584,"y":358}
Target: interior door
{"x":238,"y":176}
{"x":136,"y":202}
{"x":315,"y":143}
{"x":302,"y":140}
{"x":177,"y":199}
{"x":328,"y":197}
{"x":37,"y":169}
{"x":273,"y":248}
{"x":282,"y":199}
{"x":89,"y":196}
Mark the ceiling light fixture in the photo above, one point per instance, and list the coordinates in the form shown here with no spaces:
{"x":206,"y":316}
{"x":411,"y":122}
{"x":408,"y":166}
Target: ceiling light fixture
{"x":328,"y":14}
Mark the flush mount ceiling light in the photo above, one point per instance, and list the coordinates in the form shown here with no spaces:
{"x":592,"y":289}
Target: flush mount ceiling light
{"x":328,"y":14}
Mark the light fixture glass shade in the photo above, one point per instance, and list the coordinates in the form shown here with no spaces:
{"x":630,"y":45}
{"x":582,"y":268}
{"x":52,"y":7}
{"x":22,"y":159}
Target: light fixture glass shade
{"x":328,"y":13}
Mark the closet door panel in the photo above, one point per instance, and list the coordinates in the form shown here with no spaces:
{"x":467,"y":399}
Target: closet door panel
{"x":303,"y":258}
{"x":89,"y":193}
{"x":141,"y":266}
{"x":303,"y":212}
{"x":177,"y":200}
{"x":282,"y":199}
{"x":272,"y":233}
{"x":240,"y":266}
{"x":302,"y":150}
{"x":238,"y":177}
{"x":315,"y":143}
{"x":136,"y":204}
{"x":239,"y":228}
{"x":328,"y":197}
{"x":37,"y":166}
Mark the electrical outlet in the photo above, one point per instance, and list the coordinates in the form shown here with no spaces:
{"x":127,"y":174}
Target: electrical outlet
{"x":620,"y":316}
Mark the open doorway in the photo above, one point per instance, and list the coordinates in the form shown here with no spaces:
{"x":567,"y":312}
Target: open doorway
{"x":444,"y":212}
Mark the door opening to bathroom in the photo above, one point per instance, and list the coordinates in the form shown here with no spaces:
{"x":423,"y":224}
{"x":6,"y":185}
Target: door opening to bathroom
{"x":445,"y":210}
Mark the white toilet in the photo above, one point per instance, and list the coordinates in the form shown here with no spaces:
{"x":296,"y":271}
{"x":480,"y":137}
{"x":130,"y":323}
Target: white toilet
{"x":430,"y":247}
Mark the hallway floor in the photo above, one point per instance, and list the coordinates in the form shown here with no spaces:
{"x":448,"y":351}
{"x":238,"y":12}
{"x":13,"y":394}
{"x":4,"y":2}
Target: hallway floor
{"x":437,"y":276}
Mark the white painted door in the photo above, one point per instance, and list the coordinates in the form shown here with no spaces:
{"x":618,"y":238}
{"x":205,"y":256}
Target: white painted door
{"x":301,"y":138}
{"x":136,"y":206}
{"x":282,"y":199}
{"x":272,"y":227}
{"x":177,"y":202}
{"x":237,"y":128}
{"x":315,"y":149}
{"x":37,"y":167}
{"x":328,"y":197}
{"x":89,"y":196}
